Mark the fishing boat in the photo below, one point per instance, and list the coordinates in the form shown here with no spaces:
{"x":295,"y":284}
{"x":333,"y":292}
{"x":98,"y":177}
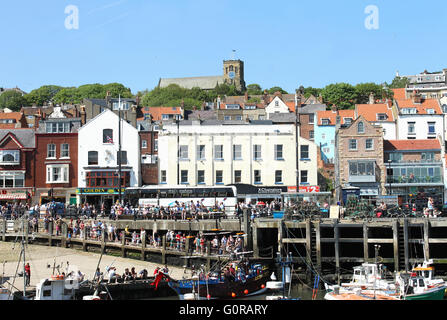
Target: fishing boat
{"x":427,"y":271}
{"x":414,"y":287}
{"x":237,"y":279}
{"x":358,"y":294}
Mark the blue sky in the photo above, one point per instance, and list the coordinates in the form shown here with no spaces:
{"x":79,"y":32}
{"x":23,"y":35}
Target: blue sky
{"x":284,"y":43}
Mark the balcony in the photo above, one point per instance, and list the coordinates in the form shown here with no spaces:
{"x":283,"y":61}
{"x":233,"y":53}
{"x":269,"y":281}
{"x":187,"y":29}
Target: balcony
{"x":415,"y":180}
{"x":362,"y":178}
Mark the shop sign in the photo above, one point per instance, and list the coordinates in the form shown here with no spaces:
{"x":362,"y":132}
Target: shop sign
{"x":269,"y":190}
{"x":100,"y":190}
{"x":305,"y":189}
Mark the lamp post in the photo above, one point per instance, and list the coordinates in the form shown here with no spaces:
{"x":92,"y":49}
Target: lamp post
{"x":389,"y":177}
{"x":119,"y":149}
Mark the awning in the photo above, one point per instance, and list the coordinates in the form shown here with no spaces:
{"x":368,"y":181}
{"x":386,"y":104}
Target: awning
{"x":13,"y":196}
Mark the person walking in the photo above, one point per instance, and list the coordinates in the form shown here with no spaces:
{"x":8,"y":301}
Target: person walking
{"x":27,"y":274}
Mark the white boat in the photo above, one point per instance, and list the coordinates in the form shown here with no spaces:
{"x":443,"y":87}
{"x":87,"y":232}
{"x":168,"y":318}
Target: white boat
{"x":56,"y":288}
{"x":427,"y":271}
{"x":365,"y":276}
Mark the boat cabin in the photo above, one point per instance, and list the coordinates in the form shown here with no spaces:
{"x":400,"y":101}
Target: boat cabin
{"x":366,"y":273}
{"x":56,"y":288}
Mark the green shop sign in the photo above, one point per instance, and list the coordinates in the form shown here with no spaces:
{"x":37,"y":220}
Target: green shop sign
{"x":99,"y":190}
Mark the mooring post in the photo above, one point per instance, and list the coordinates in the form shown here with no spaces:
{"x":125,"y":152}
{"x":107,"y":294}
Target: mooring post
{"x":50,"y":233}
{"x":64,"y":235}
{"x":396,"y":244}
{"x":103,"y":241}
{"x":365,"y":242}
{"x":84,"y":239}
{"x":255,"y":241}
{"x":309,"y":248}
{"x":426,"y":239}
{"x":337,"y":250}
{"x":4,"y":228}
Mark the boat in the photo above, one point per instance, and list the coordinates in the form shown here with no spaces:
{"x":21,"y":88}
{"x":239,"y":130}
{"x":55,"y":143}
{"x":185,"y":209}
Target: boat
{"x":427,"y":271}
{"x":277,"y":286}
{"x":358,"y":294}
{"x":245,"y":279}
{"x":414,"y":287}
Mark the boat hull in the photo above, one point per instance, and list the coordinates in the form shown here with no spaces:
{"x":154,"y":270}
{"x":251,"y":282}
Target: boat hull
{"x":433,"y":294}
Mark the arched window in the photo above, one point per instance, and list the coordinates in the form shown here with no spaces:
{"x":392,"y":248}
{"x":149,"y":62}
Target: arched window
{"x":361,"y":127}
{"x":231,"y":68}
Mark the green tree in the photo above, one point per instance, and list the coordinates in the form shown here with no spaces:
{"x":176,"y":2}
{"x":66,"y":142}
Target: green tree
{"x":312,"y":91}
{"x":254,"y":89}
{"x":42,"y":95}
{"x":276,"y":89}
{"x":343,"y":95}
{"x":398,"y":82}
{"x":67,"y":95}
{"x":363,"y":91}
{"x":12,"y":100}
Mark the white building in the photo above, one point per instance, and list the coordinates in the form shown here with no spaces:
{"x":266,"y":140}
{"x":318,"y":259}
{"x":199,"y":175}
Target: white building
{"x":221,"y":153}
{"x":98,"y":154}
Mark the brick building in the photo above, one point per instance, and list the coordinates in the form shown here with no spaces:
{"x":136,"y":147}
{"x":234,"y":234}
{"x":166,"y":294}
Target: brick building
{"x":148,"y":133}
{"x":17,"y":167}
{"x":359,"y":161}
{"x":57,"y":160}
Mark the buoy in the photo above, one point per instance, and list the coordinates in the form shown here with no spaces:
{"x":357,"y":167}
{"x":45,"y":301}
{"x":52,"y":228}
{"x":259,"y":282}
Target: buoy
{"x":208,"y":297}
{"x":262,"y":286}
{"x":233,"y":294}
{"x":246,"y":291}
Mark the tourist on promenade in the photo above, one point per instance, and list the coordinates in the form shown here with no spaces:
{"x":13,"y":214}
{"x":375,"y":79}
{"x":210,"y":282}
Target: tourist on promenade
{"x":27,"y":274}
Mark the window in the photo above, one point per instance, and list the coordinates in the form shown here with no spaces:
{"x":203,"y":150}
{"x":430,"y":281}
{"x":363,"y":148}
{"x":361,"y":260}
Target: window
{"x":360,"y":127}
{"x":411,"y":128}
{"x":303,"y":176}
{"x":237,"y":152}
{"x":218,"y":152}
{"x":409,"y":111}
{"x":65,"y":150}
{"x":431,"y":127}
{"x":57,"y":173}
{"x":369,"y":144}
{"x":257,"y":152}
{"x":121,"y":158}
{"x":143,"y":144}
{"x":429,"y":156}
{"x":227,"y":118}
{"x":381,"y":116}
{"x":311,"y":118}
{"x":92,"y":158}
{"x":361,"y":168}
{"x":184,"y":177}
{"x":107,"y":136}
{"x":219,"y":176}
{"x":201,"y":176}
{"x":304,"y":150}
{"x":311,"y":135}
{"x":323,"y":136}
{"x":276,"y":103}
{"x":257,"y":176}
{"x":57,"y":127}
{"x":165,"y":116}
{"x":124,"y":105}
{"x":431,"y":111}
{"x":325,"y":122}
{"x":183,"y":152}
{"x":278,"y":152}
{"x":278,"y":176}
{"x":156,"y":145}
{"x":12,"y":179}
{"x":237,"y":176}
{"x":51,"y":151}
{"x":9,"y":157}
{"x":347,"y":121}
{"x":352,"y":144}
{"x":201,"y":152}
{"x":163,"y":176}
{"x":396,"y":156}
{"x":109,"y":179}
{"x":239,"y":118}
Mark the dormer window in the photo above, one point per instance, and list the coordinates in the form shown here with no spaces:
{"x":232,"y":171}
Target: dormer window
{"x":430,"y":111}
{"x":361,"y":127}
{"x":9,"y":157}
{"x":325,"y":122}
{"x":233,"y":107}
{"x":381,"y":116}
{"x":409,"y":111}
{"x":124,"y":106}
{"x":347,"y":121}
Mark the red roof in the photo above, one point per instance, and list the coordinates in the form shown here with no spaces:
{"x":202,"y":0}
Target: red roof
{"x":428,"y":144}
{"x":420,"y":107}
{"x":370,"y":111}
{"x":331,"y":115}
{"x":157,"y":112}
{"x":399,"y":94}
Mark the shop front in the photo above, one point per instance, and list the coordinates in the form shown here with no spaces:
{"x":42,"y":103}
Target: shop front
{"x":99,"y":196}
{"x":66,"y":196}
{"x":253,"y":194}
{"x":19,"y":195}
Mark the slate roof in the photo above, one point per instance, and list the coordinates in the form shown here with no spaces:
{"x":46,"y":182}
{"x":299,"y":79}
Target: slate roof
{"x":25,"y":136}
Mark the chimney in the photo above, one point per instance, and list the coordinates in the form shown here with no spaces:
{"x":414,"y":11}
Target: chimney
{"x":334,"y":108}
{"x":83,"y":115}
{"x":371,"y":98}
{"x":266,"y":97}
{"x":133,"y":115}
{"x":108,"y":98}
{"x":417,"y":98}
{"x":389,"y":103}
{"x":320,"y":98}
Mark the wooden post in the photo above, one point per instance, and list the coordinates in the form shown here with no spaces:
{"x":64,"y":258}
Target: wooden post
{"x":103,"y":241}
{"x":4,"y":228}
{"x":255,"y":242}
{"x":406,"y":245}
{"x":64,"y":235}
{"x":280,"y":233}
{"x":396,"y":244}
{"x":187,"y":246}
{"x":426,"y":239}
{"x":309,"y":247}
{"x":84,"y":240}
{"x":50,"y":233}
{"x":365,"y":242}
{"x":26,"y":225}
{"x":123,"y":245}
{"x":318,"y":244}
{"x":163,"y":249}
{"x":143,"y":246}
{"x":337,"y":251}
